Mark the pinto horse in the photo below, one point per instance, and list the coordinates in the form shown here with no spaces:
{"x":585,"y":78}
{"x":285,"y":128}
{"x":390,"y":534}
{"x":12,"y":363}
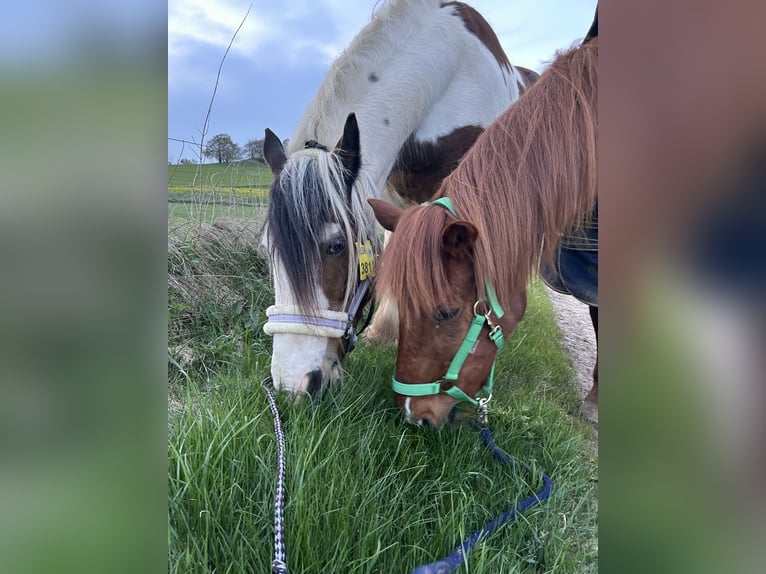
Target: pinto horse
{"x":398,"y":109}
{"x":458,"y":267}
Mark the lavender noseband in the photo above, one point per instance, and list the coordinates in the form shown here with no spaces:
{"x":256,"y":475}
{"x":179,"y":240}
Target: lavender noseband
{"x":325,"y":323}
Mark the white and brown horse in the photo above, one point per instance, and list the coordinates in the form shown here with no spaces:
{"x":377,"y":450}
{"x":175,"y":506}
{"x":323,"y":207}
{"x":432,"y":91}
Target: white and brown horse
{"x":394,"y":115}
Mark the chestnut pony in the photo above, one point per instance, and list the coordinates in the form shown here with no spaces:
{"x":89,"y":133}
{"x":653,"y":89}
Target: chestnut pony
{"x":458,"y":267}
{"x":394,"y":115}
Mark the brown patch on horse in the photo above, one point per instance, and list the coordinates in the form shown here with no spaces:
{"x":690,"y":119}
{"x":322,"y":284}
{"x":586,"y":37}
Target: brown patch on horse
{"x":528,"y":76}
{"x":530,"y":176}
{"x":333,"y":281}
{"x":479,"y":27}
{"x":334,"y":272}
{"x":422,"y":166}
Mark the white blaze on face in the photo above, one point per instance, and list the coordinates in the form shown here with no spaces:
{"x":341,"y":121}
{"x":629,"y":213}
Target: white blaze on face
{"x":295,"y":356}
{"x":408,"y":411}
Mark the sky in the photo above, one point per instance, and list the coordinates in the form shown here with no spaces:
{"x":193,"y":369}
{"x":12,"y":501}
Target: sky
{"x":284,"y":49}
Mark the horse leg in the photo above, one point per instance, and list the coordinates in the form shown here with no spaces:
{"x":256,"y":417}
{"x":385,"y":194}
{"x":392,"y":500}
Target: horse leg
{"x":384,"y":328}
{"x":593,"y":394}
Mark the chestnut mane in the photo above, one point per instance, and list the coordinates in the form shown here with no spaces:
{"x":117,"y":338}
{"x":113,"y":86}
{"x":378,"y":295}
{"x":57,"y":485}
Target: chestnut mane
{"x":530,"y":176}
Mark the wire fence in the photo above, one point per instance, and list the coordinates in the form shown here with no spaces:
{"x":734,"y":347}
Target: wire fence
{"x":204,"y":192}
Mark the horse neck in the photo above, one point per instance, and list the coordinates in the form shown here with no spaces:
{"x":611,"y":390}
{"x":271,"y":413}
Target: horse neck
{"x":525,"y":181}
{"x":348,"y":82}
{"x":397,"y":90}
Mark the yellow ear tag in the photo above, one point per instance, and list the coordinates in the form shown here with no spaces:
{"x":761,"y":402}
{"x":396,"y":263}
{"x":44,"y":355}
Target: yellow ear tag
{"x":366,"y":260}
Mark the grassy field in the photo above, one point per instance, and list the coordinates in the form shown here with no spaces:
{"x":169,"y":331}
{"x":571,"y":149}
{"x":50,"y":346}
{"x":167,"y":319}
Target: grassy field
{"x":205,"y":193}
{"x":179,"y":212}
{"x":366,"y":493}
{"x":215,"y":176}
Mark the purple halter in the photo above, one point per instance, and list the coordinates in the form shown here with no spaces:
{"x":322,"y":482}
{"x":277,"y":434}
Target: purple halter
{"x":326,"y":323}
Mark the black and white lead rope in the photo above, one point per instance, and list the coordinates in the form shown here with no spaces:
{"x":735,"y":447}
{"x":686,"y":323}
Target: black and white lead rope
{"x":279,"y":564}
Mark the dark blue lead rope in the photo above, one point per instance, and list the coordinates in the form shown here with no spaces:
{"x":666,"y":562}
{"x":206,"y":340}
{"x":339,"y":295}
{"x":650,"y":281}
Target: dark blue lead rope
{"x":457,"y":558}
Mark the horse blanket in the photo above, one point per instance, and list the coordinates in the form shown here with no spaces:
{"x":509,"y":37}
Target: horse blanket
{"x":574,"y":270}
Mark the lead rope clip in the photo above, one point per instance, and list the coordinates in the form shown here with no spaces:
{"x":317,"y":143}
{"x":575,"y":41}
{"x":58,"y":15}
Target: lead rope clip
{"x":482,"y":409}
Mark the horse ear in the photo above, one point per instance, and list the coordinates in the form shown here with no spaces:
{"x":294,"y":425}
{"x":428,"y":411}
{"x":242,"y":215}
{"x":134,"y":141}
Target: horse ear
{"x":593,"y":32}
{"x":273,"y":152}
{"x":348,"y":149}
{"x":458,"y":239}
{"x":386,"y":213}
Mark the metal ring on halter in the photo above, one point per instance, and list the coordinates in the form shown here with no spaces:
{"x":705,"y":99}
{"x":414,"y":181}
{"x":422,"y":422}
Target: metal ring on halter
{"x":486,"y":313}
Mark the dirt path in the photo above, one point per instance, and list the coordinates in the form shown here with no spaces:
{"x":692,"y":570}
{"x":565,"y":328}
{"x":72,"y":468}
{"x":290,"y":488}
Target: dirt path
{"x":578,"y":338}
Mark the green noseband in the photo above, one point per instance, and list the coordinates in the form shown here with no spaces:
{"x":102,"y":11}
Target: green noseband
{"x":470,"y":341}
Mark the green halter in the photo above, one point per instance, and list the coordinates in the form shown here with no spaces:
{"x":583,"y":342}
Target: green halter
{"x":492,"y":306}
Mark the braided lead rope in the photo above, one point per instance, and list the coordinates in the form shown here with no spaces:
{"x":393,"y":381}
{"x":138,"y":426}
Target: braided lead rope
{"x":279,"y":565}
{"x":457,"y":558}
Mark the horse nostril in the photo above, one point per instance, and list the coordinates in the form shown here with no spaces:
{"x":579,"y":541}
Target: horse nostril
{"x":315,"y":382}
{"x":424,"y":423}
{"x":336,"y":374}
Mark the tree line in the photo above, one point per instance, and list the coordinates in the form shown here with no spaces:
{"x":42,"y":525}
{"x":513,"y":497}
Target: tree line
{"x":223,"y":149}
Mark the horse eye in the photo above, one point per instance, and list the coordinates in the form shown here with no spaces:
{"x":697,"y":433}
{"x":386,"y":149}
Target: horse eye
{"x":336,"y":246}
{"x":446,"y":314}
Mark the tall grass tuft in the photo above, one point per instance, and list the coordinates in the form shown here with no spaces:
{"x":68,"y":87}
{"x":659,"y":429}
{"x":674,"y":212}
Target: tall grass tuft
{"x":218,"y":289}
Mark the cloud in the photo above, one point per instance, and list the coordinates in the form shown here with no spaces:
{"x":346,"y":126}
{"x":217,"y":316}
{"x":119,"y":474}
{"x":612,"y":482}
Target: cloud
{"x":199,"y":31}
{"x":274,"y":34}
{"x":317,"y":30}
{"x":213,"y":23}
{"x":285,"y":48}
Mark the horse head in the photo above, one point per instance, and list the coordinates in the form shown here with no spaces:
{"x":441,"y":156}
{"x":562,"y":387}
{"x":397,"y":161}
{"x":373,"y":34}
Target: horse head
{"x":448,"y":334}
{"x":320,"y":237}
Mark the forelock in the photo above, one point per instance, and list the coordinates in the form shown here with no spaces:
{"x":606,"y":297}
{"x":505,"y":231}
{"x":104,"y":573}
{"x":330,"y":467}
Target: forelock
{"x":308,"y":193}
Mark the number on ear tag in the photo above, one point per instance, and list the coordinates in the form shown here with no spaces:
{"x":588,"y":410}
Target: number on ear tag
{"x":366,"y":260}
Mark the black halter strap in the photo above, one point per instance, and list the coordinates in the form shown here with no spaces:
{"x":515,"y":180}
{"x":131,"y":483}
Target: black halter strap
{"x":313,"y":144}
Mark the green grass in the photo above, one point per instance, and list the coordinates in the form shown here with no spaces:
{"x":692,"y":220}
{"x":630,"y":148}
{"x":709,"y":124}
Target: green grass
{"x":215,"y":176}
{"x":204,"y":193}
{"x":366,"y":493}
{"x":179,"y":212}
